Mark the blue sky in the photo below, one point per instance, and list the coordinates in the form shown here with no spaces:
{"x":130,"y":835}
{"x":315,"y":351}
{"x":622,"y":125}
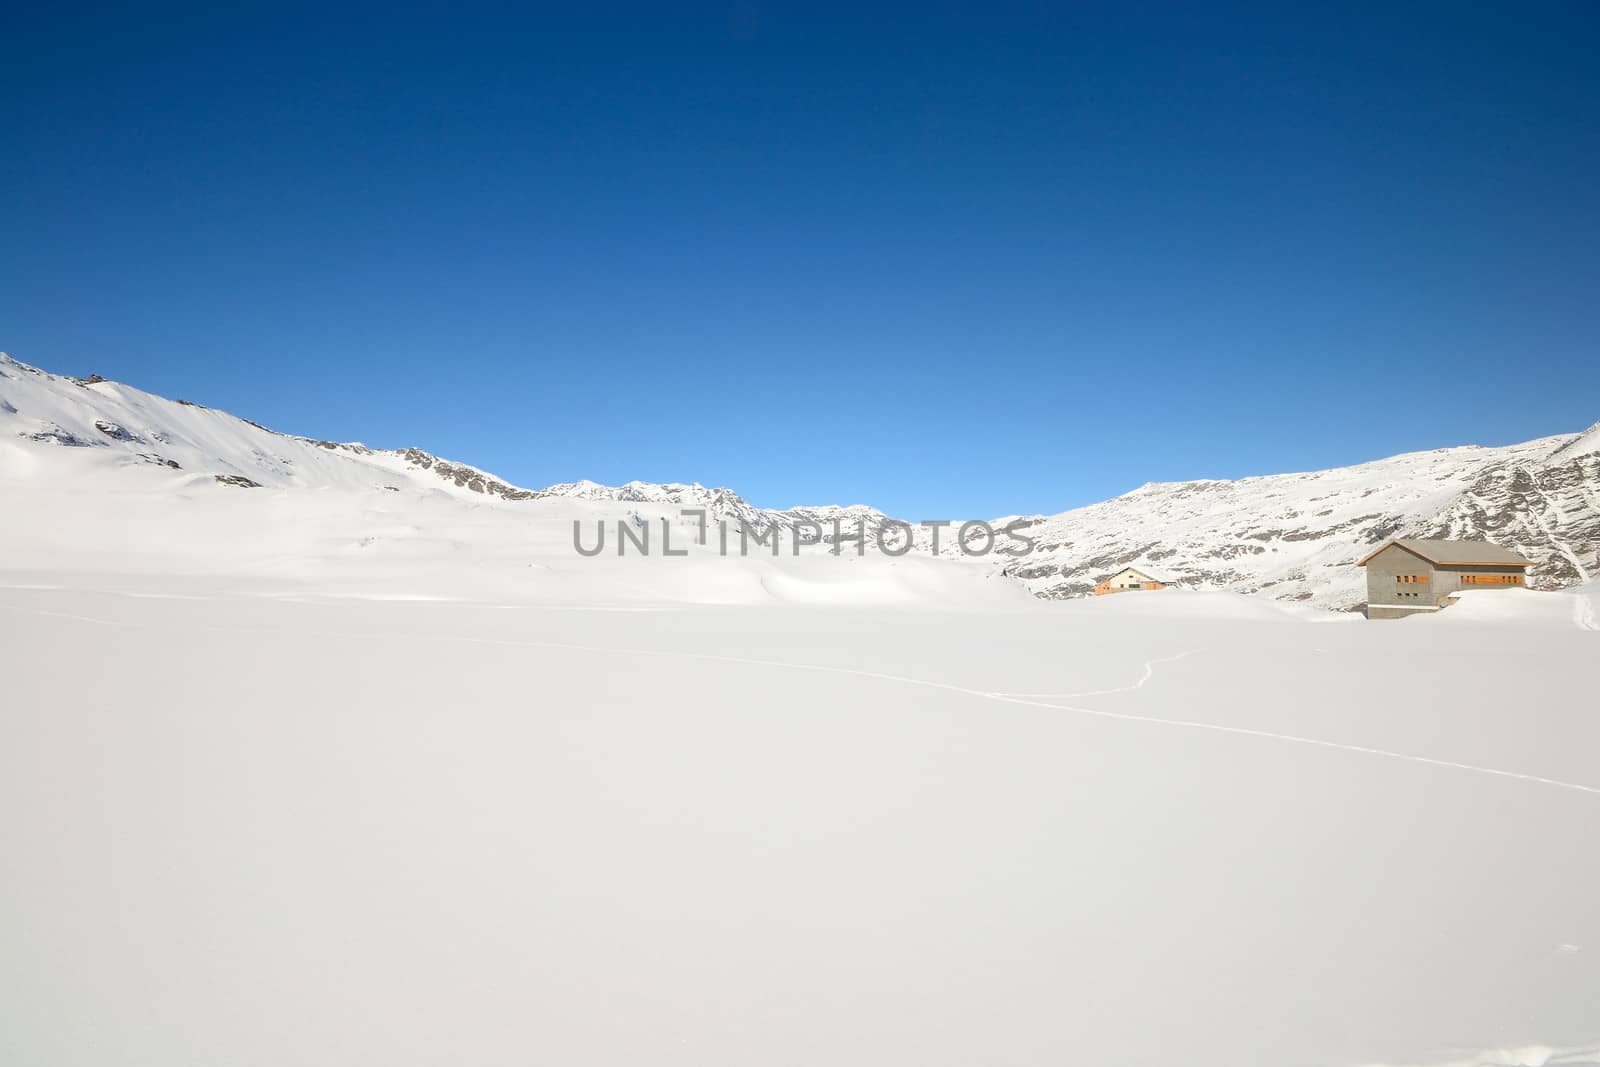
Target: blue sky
{"x":963,"y":261}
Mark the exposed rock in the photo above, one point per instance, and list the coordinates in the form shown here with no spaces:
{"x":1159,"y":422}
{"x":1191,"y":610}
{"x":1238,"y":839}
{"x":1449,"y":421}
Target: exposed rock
{"x":237,"y":480}
{"x":352,"y":447}
{"x":113,"y":431}
{"x":463,"y":476}
{"x":56,"y":435}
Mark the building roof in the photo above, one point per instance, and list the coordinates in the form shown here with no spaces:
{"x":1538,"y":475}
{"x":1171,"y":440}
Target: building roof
{"x":1468,"y":553}
{"x":1143,"y":574}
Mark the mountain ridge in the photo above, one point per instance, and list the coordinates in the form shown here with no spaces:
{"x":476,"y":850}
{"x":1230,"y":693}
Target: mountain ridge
{"x":1297,"y":536}
{"x":1292,"y":536}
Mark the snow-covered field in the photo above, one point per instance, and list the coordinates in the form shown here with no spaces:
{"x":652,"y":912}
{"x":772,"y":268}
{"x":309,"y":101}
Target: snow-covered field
{"x":365,"y":765}
{"x":251,"y":824}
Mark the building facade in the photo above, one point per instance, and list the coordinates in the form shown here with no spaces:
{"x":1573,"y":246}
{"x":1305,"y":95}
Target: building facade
{"x":1128,"y":580}
{"x":1413,"y":576}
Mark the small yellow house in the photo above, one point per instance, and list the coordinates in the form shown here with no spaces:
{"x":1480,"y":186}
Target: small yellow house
{"x":1128,"y":580}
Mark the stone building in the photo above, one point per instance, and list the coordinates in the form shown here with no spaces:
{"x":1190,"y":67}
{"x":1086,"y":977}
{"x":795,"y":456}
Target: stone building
{"x":1408,"y":576}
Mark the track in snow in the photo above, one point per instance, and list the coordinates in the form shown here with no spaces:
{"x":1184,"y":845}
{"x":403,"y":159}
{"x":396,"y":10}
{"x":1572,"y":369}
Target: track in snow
{"x":1149,"y":673}
{"x":1001,"y":697}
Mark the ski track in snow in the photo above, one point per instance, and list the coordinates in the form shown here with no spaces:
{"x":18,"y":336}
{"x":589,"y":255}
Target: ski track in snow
{"x":1149,"y":673}
{"x":1001,"y":697}
{"x":74,"y":618}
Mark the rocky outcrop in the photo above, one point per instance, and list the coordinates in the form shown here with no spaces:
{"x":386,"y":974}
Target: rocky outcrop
{"x":113,"y":431}
{"x":459,"y":474}
{"x":1548,"y":510}
{"x":50,"y":433}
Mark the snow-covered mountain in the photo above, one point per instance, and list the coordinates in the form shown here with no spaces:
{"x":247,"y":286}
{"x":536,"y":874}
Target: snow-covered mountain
{"x":139,"y":428}
{"x":99,"y":477}
{"x":722,"y":505}
{"x":1298,"y":536}
{"x":1289,"y":536}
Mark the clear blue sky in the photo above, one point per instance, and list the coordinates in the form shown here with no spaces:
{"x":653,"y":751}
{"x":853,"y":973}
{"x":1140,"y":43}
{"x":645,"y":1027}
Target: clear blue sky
{"x":961,"y":261}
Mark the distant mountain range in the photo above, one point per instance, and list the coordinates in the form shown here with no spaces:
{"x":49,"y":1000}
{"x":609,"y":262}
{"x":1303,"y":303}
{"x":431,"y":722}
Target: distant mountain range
{"x":1289,"y":536}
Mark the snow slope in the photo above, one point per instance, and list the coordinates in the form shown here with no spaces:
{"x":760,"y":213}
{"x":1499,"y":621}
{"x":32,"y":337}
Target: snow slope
{"x":1297,"y":536}
{"x":57,"y":428}
{"x":1577,"y":606}
{"x":42,"y":412}
{"x":105,"y":477}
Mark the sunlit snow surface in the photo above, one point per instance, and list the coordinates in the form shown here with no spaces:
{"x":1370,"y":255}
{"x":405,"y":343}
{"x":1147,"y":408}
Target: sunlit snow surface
{"x":1153,"y":829}
{"x":363,"y":767}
